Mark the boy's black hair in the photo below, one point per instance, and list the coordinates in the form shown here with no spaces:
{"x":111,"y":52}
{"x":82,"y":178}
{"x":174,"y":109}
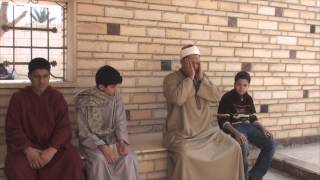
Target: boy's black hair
{"x":38,"y":63}
{"x":108,"y":75}
{"x":242,"y":75}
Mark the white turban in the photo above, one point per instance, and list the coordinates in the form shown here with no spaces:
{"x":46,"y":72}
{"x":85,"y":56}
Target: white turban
{"x":189,"y":51}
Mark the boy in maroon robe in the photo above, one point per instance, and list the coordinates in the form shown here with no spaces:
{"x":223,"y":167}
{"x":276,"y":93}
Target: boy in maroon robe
{"x":38,"y":132}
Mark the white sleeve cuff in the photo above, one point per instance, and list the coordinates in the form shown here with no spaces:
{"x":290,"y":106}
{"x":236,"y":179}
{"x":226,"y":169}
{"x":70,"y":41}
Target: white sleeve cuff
{"x":224,"y":124}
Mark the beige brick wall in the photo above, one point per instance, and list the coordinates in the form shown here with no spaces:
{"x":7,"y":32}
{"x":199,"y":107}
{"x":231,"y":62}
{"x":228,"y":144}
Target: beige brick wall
{"x":273,"y":36}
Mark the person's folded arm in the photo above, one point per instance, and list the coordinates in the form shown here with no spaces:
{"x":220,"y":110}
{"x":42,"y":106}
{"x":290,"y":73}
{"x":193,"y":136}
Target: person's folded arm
{"x":86,"y":137}
{"x":121,"y":122}
{"x":208,"y":91}
{"x":178,"y":92}
{"x":253,"y":118}
{"x":15,"y":137}
{"x":62,"y":132}
{"x":224,"y":113}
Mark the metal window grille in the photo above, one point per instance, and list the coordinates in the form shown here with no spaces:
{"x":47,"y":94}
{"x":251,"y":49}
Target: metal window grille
{"x":40,"y":16}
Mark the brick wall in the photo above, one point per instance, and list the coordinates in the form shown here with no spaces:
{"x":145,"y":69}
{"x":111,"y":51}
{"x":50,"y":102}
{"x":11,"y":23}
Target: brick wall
{"x":277,"y":41}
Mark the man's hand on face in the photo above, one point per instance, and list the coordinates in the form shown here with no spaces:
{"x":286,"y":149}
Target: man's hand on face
{"x":188,"y":69}
{"x":200,"y":72}
{"x":34,"y":157}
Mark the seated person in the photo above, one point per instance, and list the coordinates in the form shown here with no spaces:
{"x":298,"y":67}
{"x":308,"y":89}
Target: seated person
{"x":103,"y":131}
{"x":197,"y":149}
{"x":38,"y":132}
{"x":236,"y":115}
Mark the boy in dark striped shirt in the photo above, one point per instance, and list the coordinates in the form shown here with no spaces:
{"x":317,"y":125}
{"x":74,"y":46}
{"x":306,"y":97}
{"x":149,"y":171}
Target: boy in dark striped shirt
{"x":236,"y":116}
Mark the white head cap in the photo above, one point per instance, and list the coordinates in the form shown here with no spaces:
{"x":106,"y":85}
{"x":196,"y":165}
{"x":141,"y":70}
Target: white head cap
{"x":189,"y":51}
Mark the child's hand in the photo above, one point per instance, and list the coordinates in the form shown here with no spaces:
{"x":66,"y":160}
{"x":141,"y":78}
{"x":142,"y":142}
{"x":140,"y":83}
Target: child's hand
{"x":241,"y":138}
{"x":268,"y":134}
{"x":123,"y":149}
{"x":110,"y":156}
{"x":33,"y":156}
{"x":47,"y":155}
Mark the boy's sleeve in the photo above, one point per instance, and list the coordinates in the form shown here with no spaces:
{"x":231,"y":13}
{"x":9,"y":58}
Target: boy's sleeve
{"x":224,"y":116}
{"x":121,"y":121}
{"x":87,"y":138}
{"x":253,"y":117}
{"x":15,"y":137}
{"x":62,"y":131}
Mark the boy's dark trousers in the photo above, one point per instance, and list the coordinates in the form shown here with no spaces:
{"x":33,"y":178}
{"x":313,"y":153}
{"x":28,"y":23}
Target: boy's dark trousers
{"x":267,"y":146}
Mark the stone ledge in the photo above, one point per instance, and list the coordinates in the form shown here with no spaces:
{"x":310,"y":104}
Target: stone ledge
{"x":147,"y":143}
{"x":21,"y":84}
{"x":295,"y":167}
{"x":298,"y":140}
{"x":152,"y":156}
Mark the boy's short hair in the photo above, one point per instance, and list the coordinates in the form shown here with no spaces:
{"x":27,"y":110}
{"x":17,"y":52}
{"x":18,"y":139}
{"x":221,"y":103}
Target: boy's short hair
{"x":38,"y":63}
{"x":242,"y":75}
{"x":108,"y":75}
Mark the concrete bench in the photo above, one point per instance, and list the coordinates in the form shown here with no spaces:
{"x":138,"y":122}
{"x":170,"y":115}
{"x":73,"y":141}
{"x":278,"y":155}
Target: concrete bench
{"x":152,"y":156}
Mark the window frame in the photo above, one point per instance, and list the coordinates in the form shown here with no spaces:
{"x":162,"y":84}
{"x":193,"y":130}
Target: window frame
{"x":70,"y":51}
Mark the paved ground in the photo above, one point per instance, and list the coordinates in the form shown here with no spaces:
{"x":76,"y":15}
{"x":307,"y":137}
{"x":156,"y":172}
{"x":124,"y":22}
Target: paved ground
{"x":309,"y":153}
{"x":274,"y":174}
{"x":304,"y":156}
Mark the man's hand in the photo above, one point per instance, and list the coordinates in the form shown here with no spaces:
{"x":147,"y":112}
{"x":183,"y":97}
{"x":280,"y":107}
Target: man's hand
{"x":110,"y":156}
{"x":200,"y":72}
{"x":123,"y":148}
{"x":188,"y":69}
{"x":47,"y":155}
{"x":34,"y":157}
{"x":241,"y":138}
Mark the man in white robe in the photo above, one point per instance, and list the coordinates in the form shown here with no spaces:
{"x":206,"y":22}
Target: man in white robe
{"x":197,"y":149}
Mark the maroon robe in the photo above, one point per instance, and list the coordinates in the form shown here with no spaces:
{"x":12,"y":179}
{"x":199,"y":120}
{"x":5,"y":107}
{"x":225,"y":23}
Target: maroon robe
{"x":40,"y":122}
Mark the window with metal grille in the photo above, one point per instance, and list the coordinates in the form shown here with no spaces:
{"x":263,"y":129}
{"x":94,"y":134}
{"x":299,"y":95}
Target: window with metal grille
{"x":28,"y":30}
